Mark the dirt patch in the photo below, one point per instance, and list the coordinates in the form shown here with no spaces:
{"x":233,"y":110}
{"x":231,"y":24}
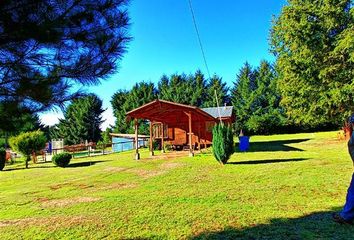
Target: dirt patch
{"x":171,"y":165}
{"x":84,"y":186}
{"x":120,"y":186}
{"x":162,"y":169}
{"x":147,"y":173}
{"x":59,"y":186}
{"x":170,"y":155}
{"x":56,"y":187}
{"x":68,"y":201}
{"x":114,"y":169}
{"x":51,"y":223}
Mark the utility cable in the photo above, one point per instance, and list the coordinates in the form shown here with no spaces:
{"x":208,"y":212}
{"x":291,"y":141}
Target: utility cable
{"x":199,"y":39}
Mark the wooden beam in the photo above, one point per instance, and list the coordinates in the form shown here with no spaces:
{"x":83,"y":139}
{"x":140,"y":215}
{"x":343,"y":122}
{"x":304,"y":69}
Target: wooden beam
{"x":199,"y":145}
{"x":162,"y":139}
{"x":137,"y":154}
{"x":191,"y":153}
{"x":151,"y":140}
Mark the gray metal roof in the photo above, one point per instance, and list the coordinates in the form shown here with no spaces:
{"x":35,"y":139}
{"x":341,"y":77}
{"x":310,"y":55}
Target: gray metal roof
{"x":225,"y":111}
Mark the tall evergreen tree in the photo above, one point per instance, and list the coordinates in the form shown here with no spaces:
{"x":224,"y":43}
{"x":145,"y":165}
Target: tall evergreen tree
{"x":119,"y":105}
{"x":82,"y":120}
{"x":241,"y":95}
{"x":177,"y":88}
{"x":216,"y":84}
{"x":185,"y":89}
{"x":313,"y":44}
{"x":198,"y":87}
{"x":124,"y":101}
{"x":46,"y":46}
{"x":266,"y":115}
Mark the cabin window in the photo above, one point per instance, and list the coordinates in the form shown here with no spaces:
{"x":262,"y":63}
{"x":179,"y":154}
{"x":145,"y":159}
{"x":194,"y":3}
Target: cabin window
{"x":209,"y":126}
{"x":157,"y":131}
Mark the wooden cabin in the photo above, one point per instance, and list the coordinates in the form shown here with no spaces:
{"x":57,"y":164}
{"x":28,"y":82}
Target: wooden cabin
{"x":181,"y":126}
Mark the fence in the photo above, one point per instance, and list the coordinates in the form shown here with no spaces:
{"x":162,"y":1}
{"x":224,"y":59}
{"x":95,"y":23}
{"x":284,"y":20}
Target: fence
{"x":93,"y":149}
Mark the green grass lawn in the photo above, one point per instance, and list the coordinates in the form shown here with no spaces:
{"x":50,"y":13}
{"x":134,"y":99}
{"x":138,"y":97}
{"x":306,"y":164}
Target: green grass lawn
{"x":285,"y":187}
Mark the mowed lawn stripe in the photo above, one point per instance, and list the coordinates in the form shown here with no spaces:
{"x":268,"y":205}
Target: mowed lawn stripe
{"x":285,"y":186}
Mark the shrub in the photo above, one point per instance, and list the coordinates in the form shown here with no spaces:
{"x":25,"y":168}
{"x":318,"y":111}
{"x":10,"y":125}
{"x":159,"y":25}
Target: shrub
{"x":155,"y":145}
{"x":102,"y":145}
{"x":223,"y":143}
{"x":62,"y":159}
{"x":168,"y":146}
{"x":2,"y":143}
{"x":28,"y":143}
{"x":2,"y":158}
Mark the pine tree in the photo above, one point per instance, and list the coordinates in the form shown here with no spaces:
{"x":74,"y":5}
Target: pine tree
{"x":47,"y":46}
{"x":312,"y":43}
{"x":242,"y":95}
{"x":82,"y":120}
{"x":124,"y":101}
{"x":266,"y":115}
{"x":216,"y":84}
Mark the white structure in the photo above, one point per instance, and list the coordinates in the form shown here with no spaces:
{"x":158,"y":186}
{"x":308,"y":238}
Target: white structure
{"x":57,"y":146}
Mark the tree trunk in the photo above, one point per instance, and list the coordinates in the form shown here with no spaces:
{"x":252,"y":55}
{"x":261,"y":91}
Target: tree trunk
{"x":28,"y":158}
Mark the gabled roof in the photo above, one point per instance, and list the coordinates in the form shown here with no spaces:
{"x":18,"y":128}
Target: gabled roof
{"x":169,"y":112}
{"x":225,"y":111}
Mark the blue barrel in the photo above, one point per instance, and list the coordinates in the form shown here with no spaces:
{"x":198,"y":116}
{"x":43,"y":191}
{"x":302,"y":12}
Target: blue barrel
{"x":49,"y":149}
{"x":244,"y":143}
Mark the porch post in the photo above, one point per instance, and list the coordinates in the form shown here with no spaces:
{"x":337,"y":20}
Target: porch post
{"x":191,"y":153}
{"x":151,"y":141}
{"x":137,"y":154}
{"x":162,"y":139}
{"x":199,"y":145}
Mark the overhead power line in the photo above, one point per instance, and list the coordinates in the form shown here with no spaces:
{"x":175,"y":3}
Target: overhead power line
{"x":203,"y":53}
{"x":199,"y":39}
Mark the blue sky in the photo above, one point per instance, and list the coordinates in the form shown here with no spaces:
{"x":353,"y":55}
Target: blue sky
{"x":165,"y":42}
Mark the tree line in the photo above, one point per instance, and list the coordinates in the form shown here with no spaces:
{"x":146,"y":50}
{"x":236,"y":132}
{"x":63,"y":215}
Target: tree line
{"x":191,"y":89}
{"x":309,"y":86}
{"x":254,"y":95}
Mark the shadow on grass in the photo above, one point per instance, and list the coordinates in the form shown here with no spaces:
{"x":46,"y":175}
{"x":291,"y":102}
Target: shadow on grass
{"x":84,"y":164}
{"x":273,"y":146}
{"x":72,"y":165}
{"x":268,"y":161}
{"x":317,"y":225}
{"x":23,"y":168}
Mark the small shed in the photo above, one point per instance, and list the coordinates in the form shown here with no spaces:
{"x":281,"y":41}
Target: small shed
{"x":178,"y":124}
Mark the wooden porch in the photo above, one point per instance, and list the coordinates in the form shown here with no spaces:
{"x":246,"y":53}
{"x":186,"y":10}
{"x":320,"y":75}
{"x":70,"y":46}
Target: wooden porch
{"x":174,"y":123}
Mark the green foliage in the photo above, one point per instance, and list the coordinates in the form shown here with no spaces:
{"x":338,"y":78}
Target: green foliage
{"x":222,"y":91}
{"x":124,"y":101}
{"x":56,"y":45}
{"x":219,"y":195}
{"x":223,"y":143}
{"x":62,"y":159}
{"x":106,"y":138}
{"x":2,"y":158}
{"x":256,"y":100}
{"x":241,"y":95}
{"x":167,"y":146}
{"x":313,"y":44}
{"x":15,"y":120}
{"x":156,"y":145}
{"x":2,"y":142}
{"x":82,"y":120}
{"x":28,"y":143}
{"x":181,"y":89}
{"x":190,"y":89}
{"x":193,"y":90}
